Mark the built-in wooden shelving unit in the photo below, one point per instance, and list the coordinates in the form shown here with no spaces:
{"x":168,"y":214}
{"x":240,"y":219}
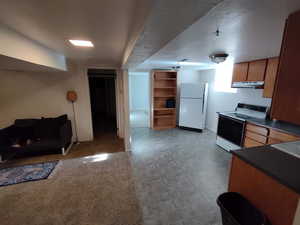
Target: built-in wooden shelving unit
{"x":164,"y":88}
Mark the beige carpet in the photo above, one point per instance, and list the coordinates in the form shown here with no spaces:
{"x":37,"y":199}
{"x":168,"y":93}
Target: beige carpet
{"x":86,"y":191}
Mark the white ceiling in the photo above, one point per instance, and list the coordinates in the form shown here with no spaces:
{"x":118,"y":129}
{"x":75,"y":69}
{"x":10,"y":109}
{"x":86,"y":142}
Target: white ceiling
{"x":167,"y":19}
{"x":151,"y":30}
{"x":109,"y":24}
{"x":249,"y":30}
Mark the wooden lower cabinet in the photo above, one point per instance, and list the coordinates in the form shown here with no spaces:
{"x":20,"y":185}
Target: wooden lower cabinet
{"x":258,"y":136}
{"x":249,"y":143}
{"x":272,"y":141}
{"x":282,"y":137}
{"x":257,"y":129}
{"x":277,"y":201}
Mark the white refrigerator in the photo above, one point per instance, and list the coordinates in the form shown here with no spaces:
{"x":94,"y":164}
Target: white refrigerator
{"x":193,"y":104}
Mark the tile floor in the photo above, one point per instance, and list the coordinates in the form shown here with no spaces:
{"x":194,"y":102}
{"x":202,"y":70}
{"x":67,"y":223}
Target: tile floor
{"x":179,"y":174}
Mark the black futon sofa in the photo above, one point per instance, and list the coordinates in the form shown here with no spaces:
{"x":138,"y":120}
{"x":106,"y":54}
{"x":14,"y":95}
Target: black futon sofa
{"x":35,"y":136}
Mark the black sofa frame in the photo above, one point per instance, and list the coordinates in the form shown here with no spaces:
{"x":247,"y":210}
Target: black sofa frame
{"x":61,"y":143}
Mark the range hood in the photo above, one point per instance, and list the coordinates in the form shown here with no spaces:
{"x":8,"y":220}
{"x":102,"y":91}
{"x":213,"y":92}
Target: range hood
{"x":248,"y":84}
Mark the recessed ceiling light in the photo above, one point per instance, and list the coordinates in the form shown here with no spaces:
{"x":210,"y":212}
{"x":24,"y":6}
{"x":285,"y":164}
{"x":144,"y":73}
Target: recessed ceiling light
{"x":82,"y":43}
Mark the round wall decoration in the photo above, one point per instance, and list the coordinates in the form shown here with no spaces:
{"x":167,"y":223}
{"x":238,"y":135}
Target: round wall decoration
{"x":72,"y":96}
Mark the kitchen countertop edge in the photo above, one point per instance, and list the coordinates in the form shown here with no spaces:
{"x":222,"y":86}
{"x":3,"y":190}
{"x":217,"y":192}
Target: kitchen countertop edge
{"x":279,"y":176}
{"x":274,"y":124}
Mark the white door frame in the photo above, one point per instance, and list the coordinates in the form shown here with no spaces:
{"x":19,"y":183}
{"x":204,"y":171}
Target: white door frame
{"x":124,"y":107}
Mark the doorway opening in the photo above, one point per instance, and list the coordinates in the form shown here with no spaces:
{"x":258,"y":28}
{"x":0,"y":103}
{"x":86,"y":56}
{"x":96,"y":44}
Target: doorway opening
{"x":102,"y":84}
{"x":139,"y":99}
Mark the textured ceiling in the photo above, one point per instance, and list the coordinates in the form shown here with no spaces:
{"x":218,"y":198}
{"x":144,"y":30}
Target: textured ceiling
{"x":249,"y":30}
{"x":109,"y":24}
{"x":167,"y":19}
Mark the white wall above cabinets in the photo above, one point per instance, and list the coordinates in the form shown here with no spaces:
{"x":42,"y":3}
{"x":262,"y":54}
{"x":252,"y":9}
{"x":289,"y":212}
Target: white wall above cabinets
{"x":221,"y":97}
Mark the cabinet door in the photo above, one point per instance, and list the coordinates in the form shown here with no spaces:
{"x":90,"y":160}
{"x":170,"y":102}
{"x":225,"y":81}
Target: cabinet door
{"x":256,"y":137}
{"x":240,"y":71}
{"x":270,"y":78}
{"x":249,"y":143}
{"x":257,"y":70}
{"x":257,"y":129}
{"x":280,"y":136}
{"x":286,"y":100}
{"x":272,"y":141}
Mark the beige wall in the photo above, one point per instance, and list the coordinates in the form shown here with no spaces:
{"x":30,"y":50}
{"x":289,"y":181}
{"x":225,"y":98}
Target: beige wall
{"x":36,"y":94}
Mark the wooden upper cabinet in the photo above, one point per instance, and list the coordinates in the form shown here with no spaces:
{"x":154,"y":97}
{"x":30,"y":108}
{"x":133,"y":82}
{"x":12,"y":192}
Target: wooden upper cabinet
{"x":257,"y":70}
{"x":240,"y":71}
{"x":271,"y":73}
{"x":286,"y":99}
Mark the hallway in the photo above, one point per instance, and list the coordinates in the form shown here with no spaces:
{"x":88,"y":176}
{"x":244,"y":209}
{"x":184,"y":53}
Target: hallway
{"x":139,"y":119}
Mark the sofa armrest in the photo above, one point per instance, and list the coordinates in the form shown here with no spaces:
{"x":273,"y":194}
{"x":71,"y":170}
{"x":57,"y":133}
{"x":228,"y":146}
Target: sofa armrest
{"x":5,"y":133}
{"x":65,"y":133}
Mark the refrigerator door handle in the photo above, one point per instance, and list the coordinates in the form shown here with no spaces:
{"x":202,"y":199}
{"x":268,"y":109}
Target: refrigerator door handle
{"x":203,"y":99}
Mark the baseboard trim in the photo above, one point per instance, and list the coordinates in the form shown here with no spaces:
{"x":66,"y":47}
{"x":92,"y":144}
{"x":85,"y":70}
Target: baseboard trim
{"x":191,"y":129}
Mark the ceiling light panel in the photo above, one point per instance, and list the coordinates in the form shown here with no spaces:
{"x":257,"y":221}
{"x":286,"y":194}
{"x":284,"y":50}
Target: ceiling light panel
{"x":82,"y":43}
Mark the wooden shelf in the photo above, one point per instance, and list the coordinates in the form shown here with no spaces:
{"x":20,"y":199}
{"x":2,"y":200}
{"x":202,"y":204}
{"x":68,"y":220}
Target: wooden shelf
{"x":164,"y":109}
{"x":165,"y":96}
{"x":165,"y":87}
{"x":163,"y":127}
{"x":165,"y":79}
{"x":164,"y":116}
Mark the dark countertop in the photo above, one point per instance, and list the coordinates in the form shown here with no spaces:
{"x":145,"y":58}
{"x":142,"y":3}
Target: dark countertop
{"x":279,"y":165}
{"x":274,"y":124}
{"x":278,"y":125}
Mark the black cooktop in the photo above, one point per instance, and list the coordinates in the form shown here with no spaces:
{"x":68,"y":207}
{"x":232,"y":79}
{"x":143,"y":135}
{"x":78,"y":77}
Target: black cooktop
{"x":239,"y":115}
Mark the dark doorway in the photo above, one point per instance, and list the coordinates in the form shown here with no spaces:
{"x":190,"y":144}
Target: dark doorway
{"x":103,"y":102}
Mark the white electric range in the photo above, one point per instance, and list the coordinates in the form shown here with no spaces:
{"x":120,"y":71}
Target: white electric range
{"x":231,"y":125}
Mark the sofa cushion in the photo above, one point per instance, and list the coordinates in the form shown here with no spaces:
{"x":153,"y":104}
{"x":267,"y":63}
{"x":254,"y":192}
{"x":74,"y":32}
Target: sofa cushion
{"x":25,"y":122}
{"x":43,"y":145}
{"x":23,"y":129}
{"x":3,"y":138}
{"x":46,"y":128}
{"x":62,"y":119}
{"x":16,"y":134}
{"x":49,"y":127}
